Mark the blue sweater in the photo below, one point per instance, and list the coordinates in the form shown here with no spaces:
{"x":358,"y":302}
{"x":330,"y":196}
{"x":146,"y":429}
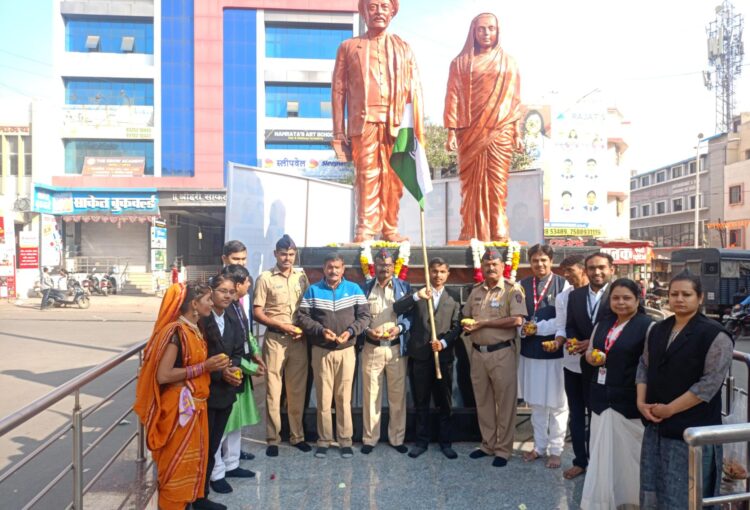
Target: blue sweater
{"x":341,"y":309}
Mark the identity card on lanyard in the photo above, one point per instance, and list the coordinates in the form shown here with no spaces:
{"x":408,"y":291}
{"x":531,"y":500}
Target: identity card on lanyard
{"x":612,"y":335}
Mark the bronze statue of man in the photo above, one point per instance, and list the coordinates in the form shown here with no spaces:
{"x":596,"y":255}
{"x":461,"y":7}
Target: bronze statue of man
{"x":374,"y":77}
{"x":482,"y":115}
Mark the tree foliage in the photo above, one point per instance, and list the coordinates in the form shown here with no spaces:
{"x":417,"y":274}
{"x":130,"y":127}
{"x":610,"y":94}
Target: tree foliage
{"x":444,"y":163}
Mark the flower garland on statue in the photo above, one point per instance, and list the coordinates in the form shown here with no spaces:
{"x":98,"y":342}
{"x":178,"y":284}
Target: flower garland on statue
{"x":512,"y":259}
{"x":401,"y":265}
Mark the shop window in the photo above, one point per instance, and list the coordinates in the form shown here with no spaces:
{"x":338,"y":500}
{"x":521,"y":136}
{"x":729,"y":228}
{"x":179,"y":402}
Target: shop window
{"x":109,"y":91}
{"x":735,"y":194}
{"x":26,"y":155}
{"x":291,"y":100}
{"x":13,"y":154}
{"x":77,"y":150}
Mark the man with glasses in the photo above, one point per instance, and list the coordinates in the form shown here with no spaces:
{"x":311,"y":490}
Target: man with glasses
{"x":383,"y":354}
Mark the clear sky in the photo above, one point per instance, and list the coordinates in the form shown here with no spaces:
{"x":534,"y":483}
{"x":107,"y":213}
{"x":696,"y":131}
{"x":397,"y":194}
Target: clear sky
{"x":25,"y":47}
{"x":646,"y":56}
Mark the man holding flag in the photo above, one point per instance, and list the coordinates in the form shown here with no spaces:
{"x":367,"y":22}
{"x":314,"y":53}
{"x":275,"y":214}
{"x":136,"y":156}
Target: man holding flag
{"x":375,"y":80}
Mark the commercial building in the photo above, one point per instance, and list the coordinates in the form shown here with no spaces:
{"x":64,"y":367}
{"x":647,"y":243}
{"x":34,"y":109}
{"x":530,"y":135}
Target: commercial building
{"x":663,"y":201}
{"x":153,"y":99}
{"x":733,"y":226}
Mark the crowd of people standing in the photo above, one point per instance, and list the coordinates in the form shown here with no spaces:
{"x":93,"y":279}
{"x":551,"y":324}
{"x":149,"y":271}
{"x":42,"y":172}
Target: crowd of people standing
{"x":577,"y":347}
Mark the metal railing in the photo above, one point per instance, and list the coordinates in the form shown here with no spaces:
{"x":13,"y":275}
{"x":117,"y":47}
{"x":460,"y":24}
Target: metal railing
{"x":698,"y":437}
{"x":79,"y":449}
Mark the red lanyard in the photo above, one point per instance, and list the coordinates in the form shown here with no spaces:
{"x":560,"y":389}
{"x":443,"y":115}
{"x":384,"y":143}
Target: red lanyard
{"x":538,"y":298}
{"x":612,"y":336}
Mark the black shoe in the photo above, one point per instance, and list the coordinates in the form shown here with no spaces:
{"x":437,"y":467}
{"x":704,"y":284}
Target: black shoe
{"x":221,"y":486}
{"x":500,"y":462}
{"x":321,"y":452}
{"x":239,"y":473}
{"x":207,"y":504}
{"x":417,"y":451}
{"x":366,"y":449}
{"x":449,"y":452}
{"x":246,"y":455}
{"x":400,"y":448}
{"x":272,"y":451}
{"x":347,"y":452}
{"x":303,"y":447}
{"x":477,"y":454}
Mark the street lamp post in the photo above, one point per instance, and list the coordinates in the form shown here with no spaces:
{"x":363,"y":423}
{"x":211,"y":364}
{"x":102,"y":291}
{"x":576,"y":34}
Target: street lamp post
{"x":696,"y":241}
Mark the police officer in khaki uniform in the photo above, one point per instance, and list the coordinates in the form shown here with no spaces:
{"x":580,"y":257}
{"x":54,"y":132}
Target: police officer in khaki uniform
{"x":277,"y":296}
{"x":498,"y":307}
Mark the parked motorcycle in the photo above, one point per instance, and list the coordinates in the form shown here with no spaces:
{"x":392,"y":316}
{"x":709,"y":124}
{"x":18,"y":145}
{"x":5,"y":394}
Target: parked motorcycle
{"x":74,"y":296}
{"x":737,"y":322}
{"x":97,"y":285}
{"x":110,"y":277}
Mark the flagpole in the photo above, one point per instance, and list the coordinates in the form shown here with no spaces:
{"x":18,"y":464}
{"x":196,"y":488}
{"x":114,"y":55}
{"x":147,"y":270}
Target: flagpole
{"x":430,"y":305}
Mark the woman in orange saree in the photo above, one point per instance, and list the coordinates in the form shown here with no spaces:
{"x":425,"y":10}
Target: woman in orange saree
{"x":482,"y":111}
{"x":171,"y":395}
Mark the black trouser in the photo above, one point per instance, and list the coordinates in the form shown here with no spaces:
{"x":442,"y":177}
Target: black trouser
{"x":424,"y":384}
{"x":576,"y":389}
{"x":217,"y":422}
{"x":45,"y":298}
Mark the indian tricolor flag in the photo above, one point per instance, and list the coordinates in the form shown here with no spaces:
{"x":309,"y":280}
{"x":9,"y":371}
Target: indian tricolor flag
{"x":409,"y":160}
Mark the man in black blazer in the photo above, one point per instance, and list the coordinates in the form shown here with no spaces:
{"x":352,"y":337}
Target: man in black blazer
{"x":420,"y":350}
{"x":586,"y":306}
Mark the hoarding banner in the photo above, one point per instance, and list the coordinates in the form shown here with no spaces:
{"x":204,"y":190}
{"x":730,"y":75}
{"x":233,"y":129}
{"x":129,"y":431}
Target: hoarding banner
{"x":578,"y":166}
{"x":314,"y":164}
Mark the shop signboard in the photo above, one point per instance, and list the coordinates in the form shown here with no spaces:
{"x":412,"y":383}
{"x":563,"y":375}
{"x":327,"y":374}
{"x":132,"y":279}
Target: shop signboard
{"x":95,"y":201}
{"x":51,"y":241}
{"x":217,"y":198}
{"x":2,"y":230}
{"x":158,"y":238}
{"x":298,"y":135}
{"x":629,"y":255}
{"x":28,"y":250}
{"x":159,"y":260}
{"x":96,"y":166}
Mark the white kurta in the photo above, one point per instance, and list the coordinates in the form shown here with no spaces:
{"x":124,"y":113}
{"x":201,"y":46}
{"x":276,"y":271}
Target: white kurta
{"x":613,"y":475}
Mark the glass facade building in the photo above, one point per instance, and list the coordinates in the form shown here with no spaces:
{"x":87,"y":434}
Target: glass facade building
{"x":312,"y":101}
{"x":109,"y":91}
{"x":110,"y":32}
{"x":77,"y":150}
{"x":240,"y":87}
{"x":177,"y":86}
{"x":304,"y":41}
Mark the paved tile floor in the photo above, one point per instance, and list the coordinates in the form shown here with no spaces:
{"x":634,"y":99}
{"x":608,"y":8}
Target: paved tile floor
{"x":386,"y":479}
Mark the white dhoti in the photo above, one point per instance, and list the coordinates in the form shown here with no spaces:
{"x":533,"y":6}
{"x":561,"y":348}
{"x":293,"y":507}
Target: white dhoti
{"x":541,"y":384}
{"x":613,"y":475}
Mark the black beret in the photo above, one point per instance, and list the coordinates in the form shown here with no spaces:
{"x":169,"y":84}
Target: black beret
{"x":285,"y":243}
